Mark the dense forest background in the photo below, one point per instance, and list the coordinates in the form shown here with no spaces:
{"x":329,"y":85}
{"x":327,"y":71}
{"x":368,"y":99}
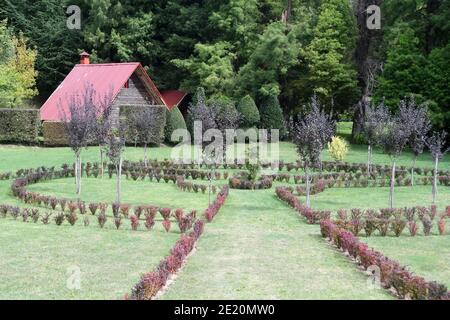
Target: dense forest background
{"x":291,"y":49}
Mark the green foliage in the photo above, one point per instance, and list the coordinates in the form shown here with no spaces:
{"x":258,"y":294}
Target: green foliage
{"x":272,"y":115}
{"x":240,"y":47}
{"x":211,"y":67}
{"x":174,"y":120}
{"x":54,"y":134}
{"x":235,"y":21}
{"x":249,"y":112}
{"x":437,"y":84}
{"x":404,"y":69}
{"x":19,"y":125}
{"x":17,"y":72}
{"x":331,"y":72}
{"x":43,"y":23}
{"x":276,"y":52}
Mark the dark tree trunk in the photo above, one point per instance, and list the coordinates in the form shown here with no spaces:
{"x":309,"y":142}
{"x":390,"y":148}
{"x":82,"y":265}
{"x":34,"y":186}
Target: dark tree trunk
{"x":365,"y":63}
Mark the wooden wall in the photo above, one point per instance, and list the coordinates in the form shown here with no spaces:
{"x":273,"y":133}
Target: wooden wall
{"x":134,"y":95}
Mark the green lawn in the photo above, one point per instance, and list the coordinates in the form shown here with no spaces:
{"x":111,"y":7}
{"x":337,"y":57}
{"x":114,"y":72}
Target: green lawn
{"x":34,"y":259}
{"x":377,"y":198}
{"x":256,"y":248}
{"x":17,"y":157}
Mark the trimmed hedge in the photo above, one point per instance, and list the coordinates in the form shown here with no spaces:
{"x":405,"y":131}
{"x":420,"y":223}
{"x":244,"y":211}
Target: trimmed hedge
{"x":19,"y":125}
{"x":272,"y":116}
{"x":159,"y":114}
{"x":54,"y":134}
{"x":392,"y":275}
{"x":250,"y":113}
{"x":174,"y":120}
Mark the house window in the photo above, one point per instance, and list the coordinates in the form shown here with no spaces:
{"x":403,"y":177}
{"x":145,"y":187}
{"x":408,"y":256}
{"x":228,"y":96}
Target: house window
{"x":127,"y":84}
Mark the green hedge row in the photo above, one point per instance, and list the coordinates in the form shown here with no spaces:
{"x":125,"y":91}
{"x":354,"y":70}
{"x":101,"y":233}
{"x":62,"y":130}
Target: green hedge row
{"x":54,"y":133}
{"x":19,"y":125}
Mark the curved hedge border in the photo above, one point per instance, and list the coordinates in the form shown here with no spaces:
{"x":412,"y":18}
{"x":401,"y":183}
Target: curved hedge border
{"x":18,"y":189}
{"x":237,"y":182}
{"x":393,"y":275}
{"x":155,"y":281}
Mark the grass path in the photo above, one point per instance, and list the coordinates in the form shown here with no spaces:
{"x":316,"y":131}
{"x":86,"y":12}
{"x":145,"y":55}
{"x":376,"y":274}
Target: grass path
{"x":258,"y":248}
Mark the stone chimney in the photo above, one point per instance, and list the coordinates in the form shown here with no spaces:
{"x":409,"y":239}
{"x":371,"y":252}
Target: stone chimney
{"x":84,"y":58}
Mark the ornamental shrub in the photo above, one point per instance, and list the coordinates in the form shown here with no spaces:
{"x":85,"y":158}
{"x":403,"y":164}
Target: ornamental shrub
{"x":59,"y":218}
{"x":93,"y":208}
{"x":272,"y":115}
{"x":125,"y":209}
{"x":46,"y":218}
{"x":441,"y":226}
{"x":174,"y":121}
{"x":166,"y":224}
{"x":72,"y":218}
{"x":413,"y":228}
{"x":118,"y":221}
{"x":165,"y":213}
{"x":338,"y":148}
{"x":398,"y":225}
{"x":149,"y":221}
{"x":101,"y":219}
{"x":427,"y":225}
{"x":249,"y":111}
{"x":134,"y":222}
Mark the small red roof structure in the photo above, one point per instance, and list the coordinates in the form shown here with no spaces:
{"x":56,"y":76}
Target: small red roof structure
{"x":173,"y":97}
{"x":104,"y":78}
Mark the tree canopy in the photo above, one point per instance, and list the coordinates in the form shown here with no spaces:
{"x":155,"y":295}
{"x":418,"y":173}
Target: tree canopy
{"x":289,"y":49}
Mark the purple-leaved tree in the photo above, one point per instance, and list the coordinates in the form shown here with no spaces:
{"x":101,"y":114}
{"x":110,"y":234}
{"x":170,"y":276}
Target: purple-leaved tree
{"x":115,"y":144}
{"x":79,"y":121}
{"x":102,"y":126}
{"x":436,"y":144}
{"x":311,"y":134}
{"x":416,"y":119}
{"x":144,"y":122}
{"x":375,"y":117}
{"x":215,"y":118}
{"x":393,"y":139}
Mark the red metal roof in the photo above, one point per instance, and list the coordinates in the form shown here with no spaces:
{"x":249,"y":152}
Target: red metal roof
{"x":172,"y":97}
{"x":103,"y":77}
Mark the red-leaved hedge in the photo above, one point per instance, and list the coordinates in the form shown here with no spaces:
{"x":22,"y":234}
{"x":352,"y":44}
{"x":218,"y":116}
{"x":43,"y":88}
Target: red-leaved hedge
{"x":214,"y":207}
{"x":151,"y":283}
{"x":392,"y":274}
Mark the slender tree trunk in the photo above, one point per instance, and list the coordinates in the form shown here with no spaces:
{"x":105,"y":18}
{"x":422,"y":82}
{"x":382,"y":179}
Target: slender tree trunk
{"x":369,"y":155}
{"x":101,"y":162}
{"x":145,"y":155}
{"x":308,"y":200}
{"x":210,"y":185}
{"x":119,"y":178}
{"x":391,"y":192}
{"x":78,"y":172}
{"x":436,"y":163}
{"x":412,"y":171}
